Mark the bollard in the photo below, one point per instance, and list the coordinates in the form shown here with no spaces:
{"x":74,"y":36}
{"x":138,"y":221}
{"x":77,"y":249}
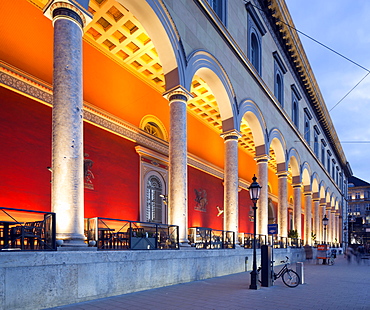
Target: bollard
{"x":246,"y":263}
{"x":299,"y":270}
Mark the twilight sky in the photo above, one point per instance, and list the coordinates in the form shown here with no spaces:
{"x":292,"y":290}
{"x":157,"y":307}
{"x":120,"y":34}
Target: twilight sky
{"x":343,"y":26}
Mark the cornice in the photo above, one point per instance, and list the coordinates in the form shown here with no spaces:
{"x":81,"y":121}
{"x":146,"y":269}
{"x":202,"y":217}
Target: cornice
{"x":277,"y":11}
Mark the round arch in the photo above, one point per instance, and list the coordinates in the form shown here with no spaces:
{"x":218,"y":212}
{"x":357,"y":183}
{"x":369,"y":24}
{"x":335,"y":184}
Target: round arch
{"x":162,"y":31}
{"x":277,"y":143}
{"x":294,"y":161}
{"x":207,"y":67}
{"x":252,"y":114}
{"x":306,"y":174}
{"x":315,"y":182}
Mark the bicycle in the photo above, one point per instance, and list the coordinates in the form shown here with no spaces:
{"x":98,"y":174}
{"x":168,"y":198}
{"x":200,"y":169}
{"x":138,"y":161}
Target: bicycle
{"x":331,"y":259}
{"x":289,"y":276}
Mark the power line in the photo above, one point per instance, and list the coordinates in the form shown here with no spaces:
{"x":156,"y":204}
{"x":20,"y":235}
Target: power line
{"x":330,"y":49}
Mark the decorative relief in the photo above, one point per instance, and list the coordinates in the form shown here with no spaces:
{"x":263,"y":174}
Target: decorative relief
{"x":88,"y":175}
{"x":201,"y":200}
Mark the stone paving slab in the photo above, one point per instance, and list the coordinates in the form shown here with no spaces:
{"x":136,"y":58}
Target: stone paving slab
{"x":342,"y":286}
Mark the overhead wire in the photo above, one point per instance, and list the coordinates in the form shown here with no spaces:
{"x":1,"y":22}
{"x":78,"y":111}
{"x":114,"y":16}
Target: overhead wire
{"x":330,"y":49}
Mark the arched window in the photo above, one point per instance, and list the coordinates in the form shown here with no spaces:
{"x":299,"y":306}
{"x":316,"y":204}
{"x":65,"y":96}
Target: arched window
{"x":279,"y":88}
{"x":154,"y":200}
{"x":153,"y":126}
{"x":255,"y":52}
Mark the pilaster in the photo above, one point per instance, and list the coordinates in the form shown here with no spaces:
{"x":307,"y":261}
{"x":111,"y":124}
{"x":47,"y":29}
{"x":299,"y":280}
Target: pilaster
{"x":283,"y":203}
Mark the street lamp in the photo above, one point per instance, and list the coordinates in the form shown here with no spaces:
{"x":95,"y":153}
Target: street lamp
{"x":325,"y":221}
{"x":254,"y":192}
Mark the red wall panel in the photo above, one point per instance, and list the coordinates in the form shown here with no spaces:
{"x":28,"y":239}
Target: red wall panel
{"x":25,"y":152}
{"x":245,"y":212}
{"x":116,"y":175}
{"x":200,"y":181}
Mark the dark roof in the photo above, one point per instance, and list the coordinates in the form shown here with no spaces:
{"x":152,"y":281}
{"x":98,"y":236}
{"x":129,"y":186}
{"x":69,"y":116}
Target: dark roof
{"x":357,"y":182}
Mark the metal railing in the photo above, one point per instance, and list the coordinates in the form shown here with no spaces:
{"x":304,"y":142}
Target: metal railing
{"x":246,"y":240}
{"x":117,"y":234}
{"x":208,"y":238}
{"x":27,"y":230}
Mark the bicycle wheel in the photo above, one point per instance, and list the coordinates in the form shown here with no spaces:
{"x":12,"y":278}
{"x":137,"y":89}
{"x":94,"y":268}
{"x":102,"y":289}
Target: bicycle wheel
{"x":291,"y":278}
{"x":331,"y":261}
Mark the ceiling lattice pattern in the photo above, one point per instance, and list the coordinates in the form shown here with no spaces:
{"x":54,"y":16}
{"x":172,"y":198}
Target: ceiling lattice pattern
{"x":116,"y":32}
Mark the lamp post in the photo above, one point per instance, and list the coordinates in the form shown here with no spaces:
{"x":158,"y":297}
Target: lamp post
{"x":325,"y":221}
{"x":254,"y":192}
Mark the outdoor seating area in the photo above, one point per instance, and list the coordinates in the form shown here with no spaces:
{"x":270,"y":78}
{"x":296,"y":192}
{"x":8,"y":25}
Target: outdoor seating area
{"x":208,"y":238}
{"x":27,"y":230}
{"x":246,"y":241}
{"x":116,"y":234}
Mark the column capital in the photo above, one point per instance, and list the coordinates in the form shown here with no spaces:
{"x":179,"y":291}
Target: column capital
{"x":308,"y":193}
{"x":231,"y":135}
{"x":69,"y":9}
{"x":262,"y":158}
{"x":282,"y":174}
{"x":296,"y":185}
{"x":177,"y":93}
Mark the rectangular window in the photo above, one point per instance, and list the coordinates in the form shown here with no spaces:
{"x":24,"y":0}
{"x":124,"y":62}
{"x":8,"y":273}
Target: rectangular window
{"x":357,"y":196}
{"x":307,"y":129}
{"x":219,"y":7}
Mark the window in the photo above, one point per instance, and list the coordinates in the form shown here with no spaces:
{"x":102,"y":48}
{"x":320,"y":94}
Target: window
{"x":153,"y":200}
{"x":328,"y":160}
{"x":349,"y":197}
{"x":296,"y":96}
{"x":316,"y":141}
{"x":153,"y":126}
{"x":323,"y":144}
{"x":255,"y":53}
{"x":358,"y":208}
{"x":307,"y":129}
{"x":256,"y":31}
{"x":357,"y":196}
{"x":153,"y":185}
{"x":219,"y":7}
{"x":279,"y":71}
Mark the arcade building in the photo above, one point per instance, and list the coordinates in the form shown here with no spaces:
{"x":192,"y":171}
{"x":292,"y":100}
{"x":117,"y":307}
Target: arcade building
{"x":161,"y":112}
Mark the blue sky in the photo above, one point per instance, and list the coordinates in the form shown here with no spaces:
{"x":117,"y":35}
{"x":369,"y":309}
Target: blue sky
{"x":343,"y":26}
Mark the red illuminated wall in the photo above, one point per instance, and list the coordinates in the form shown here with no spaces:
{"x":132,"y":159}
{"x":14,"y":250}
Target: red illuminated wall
{"x":215,"y":193}
{"x":116,"y":175}
{"x":245,"y":206}
{"x":25,"y":152}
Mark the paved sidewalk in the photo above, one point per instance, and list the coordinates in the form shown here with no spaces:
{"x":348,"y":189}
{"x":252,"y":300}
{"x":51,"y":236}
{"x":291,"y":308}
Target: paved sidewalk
{"x":342,"y":286}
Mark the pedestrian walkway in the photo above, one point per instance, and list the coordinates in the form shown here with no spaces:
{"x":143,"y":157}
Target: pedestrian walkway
{"x":342,"y":286}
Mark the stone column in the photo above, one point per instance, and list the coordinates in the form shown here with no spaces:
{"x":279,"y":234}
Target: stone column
{"x":316,"y":215}
{"x":231,"y":182}
{"x":328,"y":227}
{"x":67,"y":121}
{"x":322,"y":214}
{"x":308,"y":218}
{"x":283,"y":203}
{"x":333,"y":225}
{"x":262,"y":216}
{"x":297,"y":209}
{"x":178,"y":176}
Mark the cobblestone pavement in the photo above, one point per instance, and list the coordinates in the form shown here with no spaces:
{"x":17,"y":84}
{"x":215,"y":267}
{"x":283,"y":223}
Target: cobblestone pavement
{"x":342,"y":286}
